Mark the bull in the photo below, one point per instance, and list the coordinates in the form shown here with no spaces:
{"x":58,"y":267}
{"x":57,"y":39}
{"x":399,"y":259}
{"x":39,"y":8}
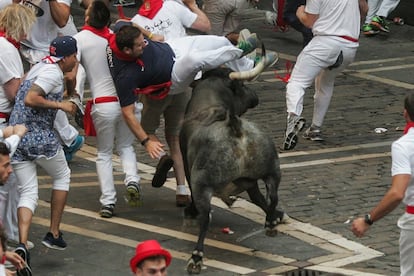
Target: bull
{"x":225,"y":154}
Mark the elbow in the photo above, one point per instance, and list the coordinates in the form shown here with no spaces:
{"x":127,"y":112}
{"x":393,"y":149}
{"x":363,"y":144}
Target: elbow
{"x":397,"y":195}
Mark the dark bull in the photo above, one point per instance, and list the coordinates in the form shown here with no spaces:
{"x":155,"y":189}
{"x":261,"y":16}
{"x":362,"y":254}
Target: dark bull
{"x":225,"y":154}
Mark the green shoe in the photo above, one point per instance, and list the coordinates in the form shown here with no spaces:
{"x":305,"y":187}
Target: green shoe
{"x":380,"y":23}
{"x":249,"y":44}
{"x":369,"y":30}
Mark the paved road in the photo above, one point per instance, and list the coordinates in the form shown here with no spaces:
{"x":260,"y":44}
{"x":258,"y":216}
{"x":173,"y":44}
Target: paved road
{"x":324,"y":185}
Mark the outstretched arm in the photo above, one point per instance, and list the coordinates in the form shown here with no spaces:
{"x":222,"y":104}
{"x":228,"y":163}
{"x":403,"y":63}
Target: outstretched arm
{"x":389,"y":202}
{"x":153,"y":147}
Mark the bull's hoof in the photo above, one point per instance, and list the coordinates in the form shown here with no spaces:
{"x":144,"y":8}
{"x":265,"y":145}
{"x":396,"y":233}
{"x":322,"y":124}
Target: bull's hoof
{"x":271,"y":232}
{"x":194,"y":267}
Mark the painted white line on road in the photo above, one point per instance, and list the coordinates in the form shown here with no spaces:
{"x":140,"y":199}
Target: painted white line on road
{"x":386,"y":68}
{"x":246,"y":209}
{"x":336,"y":149}
{"x":376,"y":61}
{"x":383,"y":80}
{"x":334,"y":160}
{"x":132,"y":243}
{"x":175,"y":234}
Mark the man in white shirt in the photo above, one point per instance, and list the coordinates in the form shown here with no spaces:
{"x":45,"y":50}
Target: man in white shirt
{"x":401,"y":190}
{"x":106,"y":112}
{"x":55,"y":15}
{"x":335,"y":26}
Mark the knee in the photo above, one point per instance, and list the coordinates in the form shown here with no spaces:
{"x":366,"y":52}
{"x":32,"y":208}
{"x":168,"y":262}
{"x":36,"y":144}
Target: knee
{"x":29,"y":201}
{"x":62,"y":182}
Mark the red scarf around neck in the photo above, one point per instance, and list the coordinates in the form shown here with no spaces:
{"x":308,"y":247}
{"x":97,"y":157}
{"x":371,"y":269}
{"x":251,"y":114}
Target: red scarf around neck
{"x":119,"y":54}
{"x":11,"y":40}
{"x":150,"y":8}
{"x":408,"y":126}
{"x":105,"y":32}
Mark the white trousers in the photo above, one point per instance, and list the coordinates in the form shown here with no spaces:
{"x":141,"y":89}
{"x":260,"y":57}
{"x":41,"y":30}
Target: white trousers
{"x":406,"y":224}
{"x":202,"y":53}
{"x":224,"y":16}
{"x":110,"y":126}
{"x":312,"y":65}
{"x":26,"y":173}
{"x":9,"y":198}
{"x":381,"y":8}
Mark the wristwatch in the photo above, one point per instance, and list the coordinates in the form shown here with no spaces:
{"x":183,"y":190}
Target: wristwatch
{"x":368,"y":219}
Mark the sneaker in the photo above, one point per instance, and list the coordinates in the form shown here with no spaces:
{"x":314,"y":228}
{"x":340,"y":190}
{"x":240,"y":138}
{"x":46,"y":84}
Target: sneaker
{"x":160,"y":175}
{"x":270,"y":18}
{"x":133,"y":194}
{"x":369,"y":30}
{"x":80,"y":110}
{"x":107,"y":211}
{"x":22,"y":252}
{"x":73,"y":148}
{"x":124,"y":3}
{"x":15,"y":243}
{"x":380,"y":23}
{"x":54,"y":243}
{"x":271,"y":58}
{"x":243,"y":36}
{"x":294,"y":125}
{"x":249,"y":44}
{"x":313,"y":133}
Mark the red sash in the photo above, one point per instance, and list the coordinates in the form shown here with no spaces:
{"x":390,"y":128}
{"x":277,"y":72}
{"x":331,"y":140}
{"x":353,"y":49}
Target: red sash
{"x":87,"y":118}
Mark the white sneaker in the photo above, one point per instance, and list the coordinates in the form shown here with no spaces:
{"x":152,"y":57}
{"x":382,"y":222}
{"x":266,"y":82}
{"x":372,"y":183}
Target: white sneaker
{"x":270,"y":18}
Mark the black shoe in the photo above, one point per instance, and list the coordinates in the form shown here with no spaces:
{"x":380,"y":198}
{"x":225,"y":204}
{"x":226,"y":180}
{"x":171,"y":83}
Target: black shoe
{"x":54,"y":243}
{"x":107,"y":211}
{"x":164,"y":165}
{"x":22,"y":252}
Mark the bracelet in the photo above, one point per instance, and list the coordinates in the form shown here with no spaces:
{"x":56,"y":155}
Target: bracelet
{"x":150,"y":35}
{"x":143,"y":142}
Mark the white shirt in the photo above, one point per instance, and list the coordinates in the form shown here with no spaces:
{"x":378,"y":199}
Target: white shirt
{"x":170,"y":21}
{"x":338,"y":17}
{"x":49,"y":77}
{"x":402,"y":152}
{"x":45,"y":29}
{"x":10,"y":67}
{"x":92,"y":55}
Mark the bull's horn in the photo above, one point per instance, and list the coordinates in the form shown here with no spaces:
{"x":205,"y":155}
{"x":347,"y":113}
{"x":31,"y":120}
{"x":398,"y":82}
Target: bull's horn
{"x":254,"y":72}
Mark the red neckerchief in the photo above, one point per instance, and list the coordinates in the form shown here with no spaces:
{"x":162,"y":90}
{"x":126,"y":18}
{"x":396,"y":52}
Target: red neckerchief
{"x":408,"y":126}
{"x":150,"y":8}
{"x":121,"y":55}
{"x":11,"y":40}
{"x":105,"y":32}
